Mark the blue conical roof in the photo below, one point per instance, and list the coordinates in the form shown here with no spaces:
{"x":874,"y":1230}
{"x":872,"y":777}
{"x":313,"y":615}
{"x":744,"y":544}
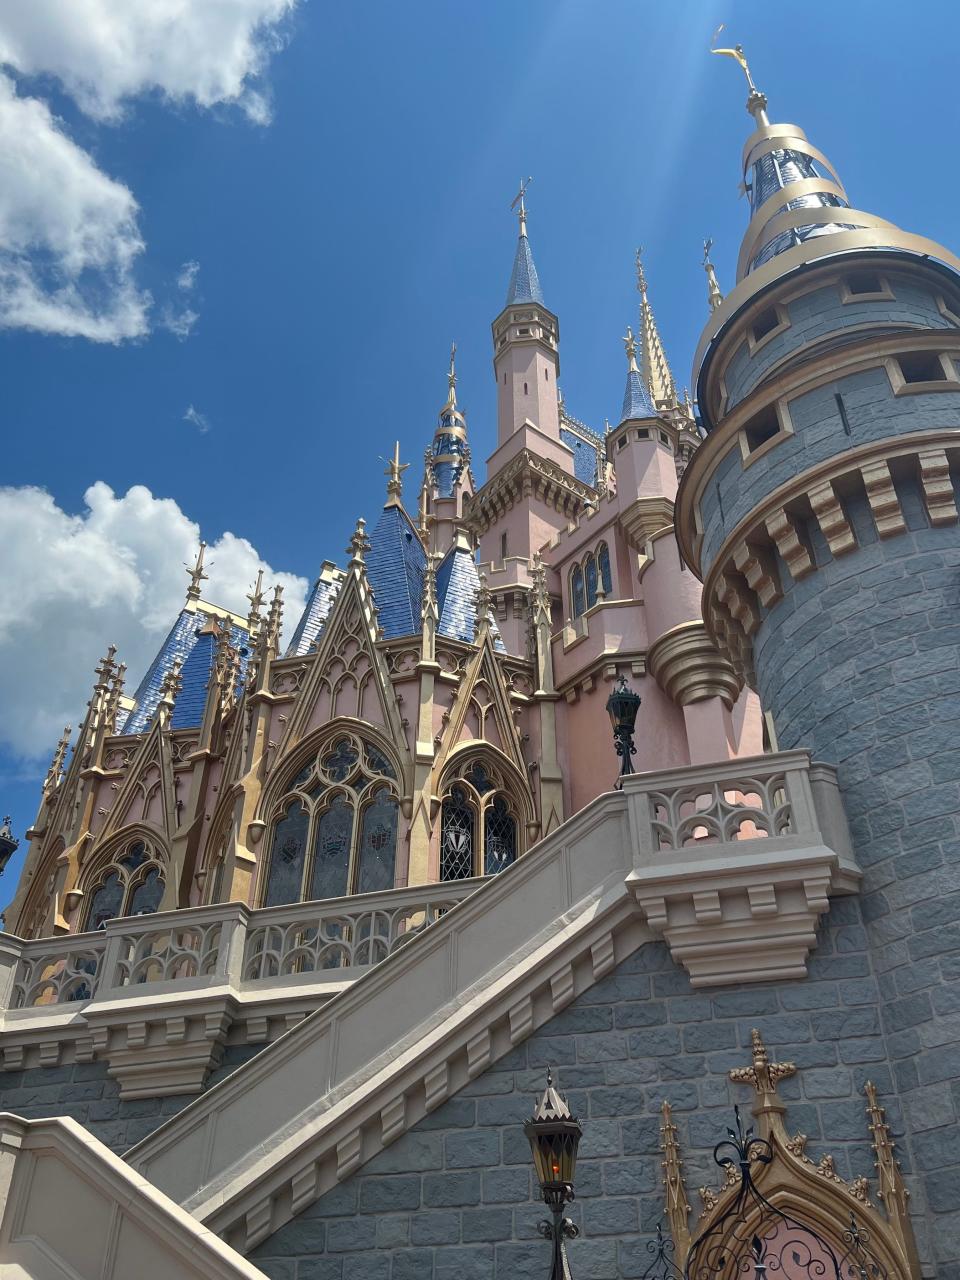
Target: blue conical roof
{"x":637,"y":401}
{"x":524,"y":281}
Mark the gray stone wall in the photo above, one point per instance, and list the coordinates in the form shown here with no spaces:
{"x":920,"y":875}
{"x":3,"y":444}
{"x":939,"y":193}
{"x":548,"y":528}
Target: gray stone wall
{"x":873,"y":413}
{"x":822,"y":311}
{"x":85,"y":1092}
{"x":861,"y":662}
{"x":455,"y":1198}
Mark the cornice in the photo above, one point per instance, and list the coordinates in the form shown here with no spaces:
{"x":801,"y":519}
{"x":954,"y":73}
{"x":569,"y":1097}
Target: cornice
{"x":525,"y":476}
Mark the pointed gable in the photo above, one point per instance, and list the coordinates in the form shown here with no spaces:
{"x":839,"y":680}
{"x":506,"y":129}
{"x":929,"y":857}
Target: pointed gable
{"x":395,"y":566}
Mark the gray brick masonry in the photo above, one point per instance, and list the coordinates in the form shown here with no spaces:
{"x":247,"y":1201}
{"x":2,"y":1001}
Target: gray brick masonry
{"x":455,"y":1199}
{"x":85,"y":1092}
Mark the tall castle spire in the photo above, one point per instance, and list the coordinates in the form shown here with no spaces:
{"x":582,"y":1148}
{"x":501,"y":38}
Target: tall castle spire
{"x":653,"y":360}
{"x":524,"y":282}
{"x":450,"y":452}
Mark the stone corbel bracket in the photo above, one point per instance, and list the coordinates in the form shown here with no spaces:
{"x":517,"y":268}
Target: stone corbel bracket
{"x":735,"y":873}
{"x":731,"y":917}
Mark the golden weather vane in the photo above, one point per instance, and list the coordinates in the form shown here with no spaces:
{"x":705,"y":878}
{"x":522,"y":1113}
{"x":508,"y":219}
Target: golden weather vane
{"x":756,"y":101}
{"x":520,"y":199}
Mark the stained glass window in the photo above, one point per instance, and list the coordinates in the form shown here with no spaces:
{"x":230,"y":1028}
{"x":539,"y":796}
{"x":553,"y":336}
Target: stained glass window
{"x":590,"y":574}
{"x":287,"y":856}
{"x":107,"y":902}
{"x":603,"y":558}
{"x":340,"y":762}
{"x":456,"y":837}
{"x":130,"y":885}
{"x":147,"y":895}
{"x":476,"y":775}
{"x":378,"y":843}
{"x":499,"y":837}
{"x":345,"y":840}
{"x":576,"y":587}
{"x":331,"y":858}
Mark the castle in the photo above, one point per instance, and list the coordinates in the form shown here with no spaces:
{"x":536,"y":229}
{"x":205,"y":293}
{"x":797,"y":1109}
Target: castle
{"x":300,"y":929}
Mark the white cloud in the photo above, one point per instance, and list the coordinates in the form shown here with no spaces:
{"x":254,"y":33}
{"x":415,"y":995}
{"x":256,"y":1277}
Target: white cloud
{"x":111,"y":575}
{"x":179,"y":323}
{"x":69,"y":234}
{"x":69,"y":238}
{"x":106,"y":52}
{"x":187,"y":276}
{"x":197,"y":419}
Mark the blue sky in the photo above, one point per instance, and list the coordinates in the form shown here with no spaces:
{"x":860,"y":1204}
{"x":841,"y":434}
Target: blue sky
{"x":344,"y":241}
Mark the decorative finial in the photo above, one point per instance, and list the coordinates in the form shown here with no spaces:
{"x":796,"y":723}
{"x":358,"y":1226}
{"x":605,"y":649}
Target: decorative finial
{"x":520,"y":200}
{"x":641,"y":275}
{"x":196,"y":575}
{"x":170,"y":687}
{"x":484,"y":603}
{"x":763,"y":1074}
{"x":452,"y":379}
{"x":55,"y":772}
{"x":756,"y":101}
{"x":714,"y":296}
{"x":630,"y":346}
{"x":255,"y":595}
{"x":359,"y":543}
{"x":395,"y":469}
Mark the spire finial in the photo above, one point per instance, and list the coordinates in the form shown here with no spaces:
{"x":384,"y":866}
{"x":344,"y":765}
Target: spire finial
{"x":255,"y":596}
{"x":756,"y":101}
{"x":359,"y":543}
{"x":196,"y":575}
{"x":714,"y":296}
{"x":641,"y":274}
{"x":395,"y":469}
{"x":519,"y":203}
{"x":630,"y":346}
{"x":452,"y":379}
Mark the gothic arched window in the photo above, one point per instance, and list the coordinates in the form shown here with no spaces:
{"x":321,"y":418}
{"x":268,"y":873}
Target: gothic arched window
{"x":576,"y":591}
{"x":335,"y":829}
{"x":603,"y":560}
{"x":590,"y":577}
{"x":479,"y":829}
{"x":130,"y":884}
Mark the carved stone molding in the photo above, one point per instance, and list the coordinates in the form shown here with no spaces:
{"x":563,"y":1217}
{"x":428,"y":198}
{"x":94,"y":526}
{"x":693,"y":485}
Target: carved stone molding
{"x":526,"y":476}
{"x":745,"y":576}
{"x":644,"y":517}
{"x":688,"y":666}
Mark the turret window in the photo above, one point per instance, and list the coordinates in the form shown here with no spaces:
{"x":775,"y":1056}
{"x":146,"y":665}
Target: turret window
{"x":578,"y":600}
{"x":591,"y":580}
{"x":921,"y":366}
{"x":766,"y":326}
{"x":864,"y":285}
{"x":918,"y":371}
{"x":764,"y":430}
{"x":131,"y":884}
{"x":335,"y":829}
{"x":479,"y":829}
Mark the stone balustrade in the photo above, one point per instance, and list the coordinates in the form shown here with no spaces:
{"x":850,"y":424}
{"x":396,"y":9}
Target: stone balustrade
{"x":732,"y":863}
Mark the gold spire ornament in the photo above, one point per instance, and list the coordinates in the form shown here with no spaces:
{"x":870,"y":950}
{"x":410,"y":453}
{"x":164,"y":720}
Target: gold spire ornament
{"x":756,"y":101}
{"x":519,"y":203}
{"x":714,"y":296}
{"x":678,"y":1210}
{"x":196,"y":576}
{"x":451,"y":380}
{"x":395,"y":469}
{"x":653,"y":359}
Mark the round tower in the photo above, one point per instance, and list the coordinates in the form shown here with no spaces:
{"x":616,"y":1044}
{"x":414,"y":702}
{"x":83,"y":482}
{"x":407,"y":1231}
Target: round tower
{"x":821,"y":514}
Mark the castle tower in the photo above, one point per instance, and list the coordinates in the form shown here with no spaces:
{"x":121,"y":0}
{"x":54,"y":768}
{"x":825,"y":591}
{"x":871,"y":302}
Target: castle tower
{"x":821,"y":514}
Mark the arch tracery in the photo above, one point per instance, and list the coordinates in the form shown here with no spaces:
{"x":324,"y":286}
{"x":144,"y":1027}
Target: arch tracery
{"x":334,"y":827}
{"x":480,"y":819}
{"x":126,"y":880}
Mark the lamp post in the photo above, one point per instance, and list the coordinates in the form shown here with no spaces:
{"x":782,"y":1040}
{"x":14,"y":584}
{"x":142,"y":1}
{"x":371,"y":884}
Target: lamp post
{"x":622,"y":707}
{"x":554,"y":1137}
